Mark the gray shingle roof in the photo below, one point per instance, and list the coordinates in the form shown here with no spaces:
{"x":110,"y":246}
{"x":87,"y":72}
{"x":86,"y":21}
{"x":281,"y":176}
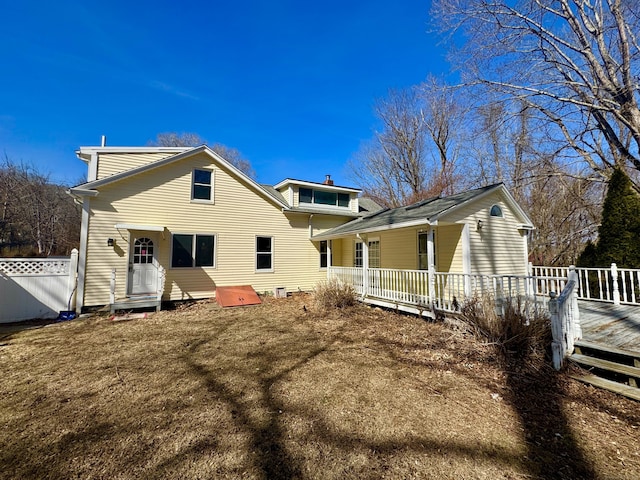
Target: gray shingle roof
{"x":425,"y":211}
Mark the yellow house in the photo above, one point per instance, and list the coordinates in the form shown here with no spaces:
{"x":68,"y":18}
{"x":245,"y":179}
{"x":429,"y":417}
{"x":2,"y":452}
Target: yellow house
{"x":435,"y":252}
{"x":175,"y":223}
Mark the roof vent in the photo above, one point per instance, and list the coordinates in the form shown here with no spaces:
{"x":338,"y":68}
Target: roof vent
{"x":327,"y":180}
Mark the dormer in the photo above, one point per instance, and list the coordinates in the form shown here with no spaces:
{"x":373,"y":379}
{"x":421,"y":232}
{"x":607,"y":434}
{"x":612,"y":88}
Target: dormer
{"x":322,"y":197}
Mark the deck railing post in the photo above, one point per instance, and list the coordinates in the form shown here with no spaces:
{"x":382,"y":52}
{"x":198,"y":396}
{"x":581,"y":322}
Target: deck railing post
{"x":431,"y":276}
{"x":557,"y":345}
{"x":575,"y":311}
{"x":614,"y":283}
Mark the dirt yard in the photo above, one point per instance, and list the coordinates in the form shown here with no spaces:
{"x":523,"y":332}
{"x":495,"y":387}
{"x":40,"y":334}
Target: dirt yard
{"x":280,"y":391}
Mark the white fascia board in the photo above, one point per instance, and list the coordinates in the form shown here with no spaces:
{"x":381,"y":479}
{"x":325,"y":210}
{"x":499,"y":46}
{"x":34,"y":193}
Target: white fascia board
{"x":382,"y":228}
{"x":304,"y":183}
{"x":510,"y":201}
{"x":84,"y":153}
{"x":134,"y":226}
{"x":82,"y":192}
{"x":182,"y":153}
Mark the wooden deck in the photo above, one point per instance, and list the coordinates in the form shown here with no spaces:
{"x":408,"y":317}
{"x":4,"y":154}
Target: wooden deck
{"x":614,"y":325}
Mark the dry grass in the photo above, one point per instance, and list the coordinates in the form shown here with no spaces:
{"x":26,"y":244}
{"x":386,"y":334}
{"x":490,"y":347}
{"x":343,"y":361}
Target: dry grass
{"x":333,"y":293}
{"x":278,"y":391}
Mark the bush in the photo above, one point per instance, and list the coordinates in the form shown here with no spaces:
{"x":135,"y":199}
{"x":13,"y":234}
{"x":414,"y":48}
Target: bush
{"x":521,"y":331}
{"x":334,"y":293}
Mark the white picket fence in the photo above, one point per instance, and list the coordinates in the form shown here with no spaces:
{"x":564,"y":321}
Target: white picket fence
{"x":34,"y":288}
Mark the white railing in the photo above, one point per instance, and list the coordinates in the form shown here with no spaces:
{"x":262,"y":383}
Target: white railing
{"x":565,"y":320}
{"x":439,"y":290}
{"x":612,"y":284}
{"x":33,"y":288}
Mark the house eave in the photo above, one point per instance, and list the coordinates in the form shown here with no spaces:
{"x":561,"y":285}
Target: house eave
{"x":414,"y":223}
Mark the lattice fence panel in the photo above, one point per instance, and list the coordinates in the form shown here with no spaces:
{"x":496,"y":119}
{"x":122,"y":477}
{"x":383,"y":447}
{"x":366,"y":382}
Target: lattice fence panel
{"x":34,"y":267}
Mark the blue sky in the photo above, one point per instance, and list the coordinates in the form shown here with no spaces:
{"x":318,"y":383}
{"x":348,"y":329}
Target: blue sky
{"x":291,"y":84}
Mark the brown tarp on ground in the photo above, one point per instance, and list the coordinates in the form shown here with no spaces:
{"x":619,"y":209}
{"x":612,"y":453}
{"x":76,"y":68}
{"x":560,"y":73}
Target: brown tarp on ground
{"x":237,"y":296}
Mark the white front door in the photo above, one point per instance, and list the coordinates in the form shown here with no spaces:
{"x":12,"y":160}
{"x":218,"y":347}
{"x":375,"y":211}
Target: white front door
{"x":143,"y":266}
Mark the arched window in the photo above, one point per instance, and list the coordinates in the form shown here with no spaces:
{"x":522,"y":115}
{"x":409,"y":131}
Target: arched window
{"x":496,"y":211}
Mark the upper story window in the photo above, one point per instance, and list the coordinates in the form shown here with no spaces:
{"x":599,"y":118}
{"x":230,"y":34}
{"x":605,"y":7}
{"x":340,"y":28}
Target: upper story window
{"x":496,"y":211}
{"x":202,"y":185}
{"x":322,"y":197}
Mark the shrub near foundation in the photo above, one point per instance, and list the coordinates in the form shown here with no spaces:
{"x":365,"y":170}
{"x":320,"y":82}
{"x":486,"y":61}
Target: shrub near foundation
{"x":333,"y":293}
{"x":522,"y":330}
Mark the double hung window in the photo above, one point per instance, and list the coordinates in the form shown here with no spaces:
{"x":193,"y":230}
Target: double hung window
{"x":264,"y":254}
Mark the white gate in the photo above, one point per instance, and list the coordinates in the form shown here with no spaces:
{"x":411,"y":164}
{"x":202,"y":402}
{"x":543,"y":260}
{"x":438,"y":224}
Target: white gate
{"x":37,"y":287}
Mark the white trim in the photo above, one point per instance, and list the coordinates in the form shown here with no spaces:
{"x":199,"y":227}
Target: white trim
{"x":272,"y":253}
{"x":336,"y":188}
{"x":193,"y":250}
{"x":156,"y":263}
{"x":85,"y":153}
{"x":510,"y":201}
{"x":413,"y":223}
{"x":93,"y":167}
{"x":181,"y":156}
{"x":211,"y":199}
{"x":140,"y":227}
{"x":466,"y":249}
{"x":82,"y":257}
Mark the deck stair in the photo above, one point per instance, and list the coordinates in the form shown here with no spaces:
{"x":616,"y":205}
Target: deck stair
{"x":610,"y":368}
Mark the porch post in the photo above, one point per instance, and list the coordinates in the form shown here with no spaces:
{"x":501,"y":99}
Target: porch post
{"x":329,"y":262}
{"x":466,"y":259}
{"x":365,"y":266}
{"x":431,"y":261}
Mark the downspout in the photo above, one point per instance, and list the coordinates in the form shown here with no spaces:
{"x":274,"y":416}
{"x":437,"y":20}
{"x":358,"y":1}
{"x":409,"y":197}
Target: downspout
{"x":310,"y":226}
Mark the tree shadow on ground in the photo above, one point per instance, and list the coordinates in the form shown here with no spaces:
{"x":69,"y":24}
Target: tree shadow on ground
{"x":537,"y":397}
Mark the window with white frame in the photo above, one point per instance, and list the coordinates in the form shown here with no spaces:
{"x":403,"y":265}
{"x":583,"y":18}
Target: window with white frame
{"x":324,"y":254}
{"x":192,"y":250}
{"x":202,"y":185}
{"x":323,"y":197}
{"x":264,"y":254}
{"x":357,"y":255}
{"x":374,"y":254}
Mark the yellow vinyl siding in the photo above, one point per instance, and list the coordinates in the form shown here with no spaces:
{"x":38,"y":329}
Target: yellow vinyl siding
{"x":498,"y":248}
{"x":399,"y":249}
{"x":162,"y":197}
{"x":111,"y":163}
{"x":449,"y":248}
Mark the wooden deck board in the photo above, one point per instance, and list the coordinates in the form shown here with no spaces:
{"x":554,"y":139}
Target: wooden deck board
{"x":615,"y":325}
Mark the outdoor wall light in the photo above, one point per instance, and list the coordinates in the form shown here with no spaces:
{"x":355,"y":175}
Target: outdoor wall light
{"x":110,"y":242}
{"x":479,"y":225}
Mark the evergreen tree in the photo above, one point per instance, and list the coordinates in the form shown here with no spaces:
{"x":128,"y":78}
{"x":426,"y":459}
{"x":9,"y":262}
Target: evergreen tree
{"x":619,"y":232}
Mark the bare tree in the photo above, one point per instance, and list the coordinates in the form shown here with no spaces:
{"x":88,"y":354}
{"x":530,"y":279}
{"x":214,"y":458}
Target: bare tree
{"x":575,"y":62}
{"x":37,"y":216}
{"x":414,"y":154}
{"x":232,"y":155}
